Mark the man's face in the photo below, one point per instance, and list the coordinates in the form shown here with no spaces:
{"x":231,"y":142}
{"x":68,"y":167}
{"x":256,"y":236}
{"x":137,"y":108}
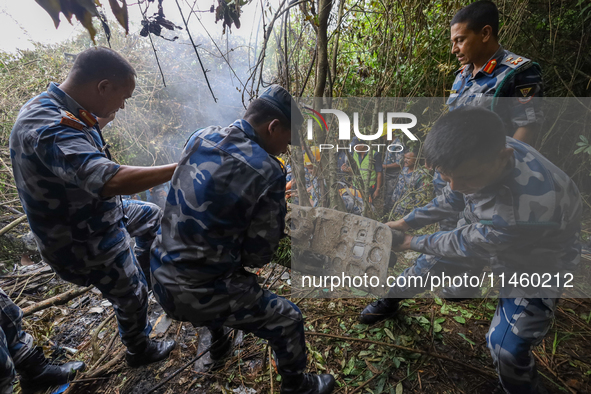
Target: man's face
{"x":466,"y":44}
{"x":410,"y":159}
{"x":114,"y":95}
{"x":474,"y":175}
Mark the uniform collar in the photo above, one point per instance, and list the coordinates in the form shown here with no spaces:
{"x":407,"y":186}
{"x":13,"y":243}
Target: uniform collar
{"x":71,"y":105}
{"x":490,"y":65}
{"x":247,"y":129}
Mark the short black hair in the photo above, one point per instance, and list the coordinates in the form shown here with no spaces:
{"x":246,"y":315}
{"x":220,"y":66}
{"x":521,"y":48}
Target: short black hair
{"x":477,"y":15}
{"x":260,"y":112}
{"x":463,"y":134}
{"x":99,"y":63}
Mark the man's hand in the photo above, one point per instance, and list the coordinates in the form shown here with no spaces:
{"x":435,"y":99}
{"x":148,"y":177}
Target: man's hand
{"x":376,"y":193}
{"x":399,"y":225}
{"x":404,"y":245}
{"x":345,"y":168}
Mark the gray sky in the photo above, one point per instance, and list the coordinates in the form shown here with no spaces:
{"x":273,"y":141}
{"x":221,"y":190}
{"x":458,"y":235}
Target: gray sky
{"x":23,"y":21}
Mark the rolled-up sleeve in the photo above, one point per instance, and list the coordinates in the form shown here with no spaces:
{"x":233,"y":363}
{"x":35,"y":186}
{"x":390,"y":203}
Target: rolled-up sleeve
{"x":69,"y":155}
{"x":474,"y":240}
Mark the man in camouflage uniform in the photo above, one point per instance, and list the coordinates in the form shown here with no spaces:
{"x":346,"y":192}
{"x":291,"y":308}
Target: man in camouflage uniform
{"x":69,"y":189}
{"x":17,"y":353}
{"x":410,"y":186}
{"x":225,"y":211}
{"x":520,"y":213}
{"x":495,"y":78}
{"x":392,"y":166}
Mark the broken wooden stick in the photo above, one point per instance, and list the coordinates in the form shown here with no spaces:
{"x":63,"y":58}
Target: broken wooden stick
{"x":13,"y":224}
{"x":480,"y":370}
{"x":57,"y":300}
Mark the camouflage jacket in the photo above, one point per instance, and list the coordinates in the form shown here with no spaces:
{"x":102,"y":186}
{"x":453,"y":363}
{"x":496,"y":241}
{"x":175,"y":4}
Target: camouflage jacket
{"x":225,"y":209}
{"x":60,"y":168}
{"x":409,"y":190}
{"x":508,"y":84}
{"x":528,"y":220}
{"x":393,"y":157}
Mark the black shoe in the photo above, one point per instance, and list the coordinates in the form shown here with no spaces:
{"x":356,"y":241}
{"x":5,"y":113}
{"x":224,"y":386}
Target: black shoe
{"x":308,"y":383}
{"x":221,"y":347}
{"x":379,"y":310}
{"x":152,"y":352}
{"x":457,"y":294}
{"x":37,"y":374}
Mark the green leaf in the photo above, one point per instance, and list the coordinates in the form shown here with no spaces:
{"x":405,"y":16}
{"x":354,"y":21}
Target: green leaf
{"x":399,"y":388}
{"x":584,"y":139}
{"x":460,"y":319}
{"x":466,"y":339}
{"x":389,"y":334}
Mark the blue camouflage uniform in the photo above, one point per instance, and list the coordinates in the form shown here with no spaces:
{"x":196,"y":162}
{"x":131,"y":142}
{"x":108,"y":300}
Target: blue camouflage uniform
{"x":225,"y":211}
{"x":15,"y":344}
{"x":529,"y":221}
{"x":60,"y":165}
{"x":409,"y":190}
{"x":391,"y":174}
{"x":510,"y":85}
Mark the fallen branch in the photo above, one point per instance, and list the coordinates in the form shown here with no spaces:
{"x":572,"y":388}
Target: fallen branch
{"x":13,"y":224}
{"x":57,"y":300}
{"x":367,"y":382}
{"x":102,"y":370}
{"x":192,"y":361}
{"x":97,"y":373}
{"x":480,"y":370}
{"x":175,"y":373}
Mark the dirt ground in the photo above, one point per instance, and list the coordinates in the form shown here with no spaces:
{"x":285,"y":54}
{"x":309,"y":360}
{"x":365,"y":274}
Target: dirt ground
{"x":451,"y":334}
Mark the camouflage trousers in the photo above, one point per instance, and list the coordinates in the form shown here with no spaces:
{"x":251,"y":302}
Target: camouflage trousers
{"x":239,"y":302}
{"x":517,"y":326}
{"x":391,"y":181}
{"x":15,"y":344}
{"x":143,"y":222}
{"x":119,"y":275}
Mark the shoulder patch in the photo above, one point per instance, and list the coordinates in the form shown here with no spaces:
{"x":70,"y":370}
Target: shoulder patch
{"x":515,"y":61}
{"x":72,"y":123}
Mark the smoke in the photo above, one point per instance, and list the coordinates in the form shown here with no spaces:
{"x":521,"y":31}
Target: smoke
{"x":158,"y":120}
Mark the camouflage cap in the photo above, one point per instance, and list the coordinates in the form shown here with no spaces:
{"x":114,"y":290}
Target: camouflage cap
{"x":280,"y":99}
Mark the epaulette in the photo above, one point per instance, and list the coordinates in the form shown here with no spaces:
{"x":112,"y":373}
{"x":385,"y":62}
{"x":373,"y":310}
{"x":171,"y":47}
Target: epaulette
{"x":515,"y":61}
{"x":70,"y":122}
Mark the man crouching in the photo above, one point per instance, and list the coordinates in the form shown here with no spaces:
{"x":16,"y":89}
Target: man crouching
{"x":226,"y":211}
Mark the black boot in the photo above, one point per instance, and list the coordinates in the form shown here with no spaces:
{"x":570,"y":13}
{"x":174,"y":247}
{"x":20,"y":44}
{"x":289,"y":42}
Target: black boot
{"x":150,"y":352}
{"x":221,"y":347}
{"x":37,"y":374}
{"x":379,"y":310}
{"x":308,"y":383}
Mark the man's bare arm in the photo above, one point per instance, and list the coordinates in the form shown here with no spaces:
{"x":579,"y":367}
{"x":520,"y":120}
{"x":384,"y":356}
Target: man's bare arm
{"x":527,"y":134}
{"x":132,"y":179}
